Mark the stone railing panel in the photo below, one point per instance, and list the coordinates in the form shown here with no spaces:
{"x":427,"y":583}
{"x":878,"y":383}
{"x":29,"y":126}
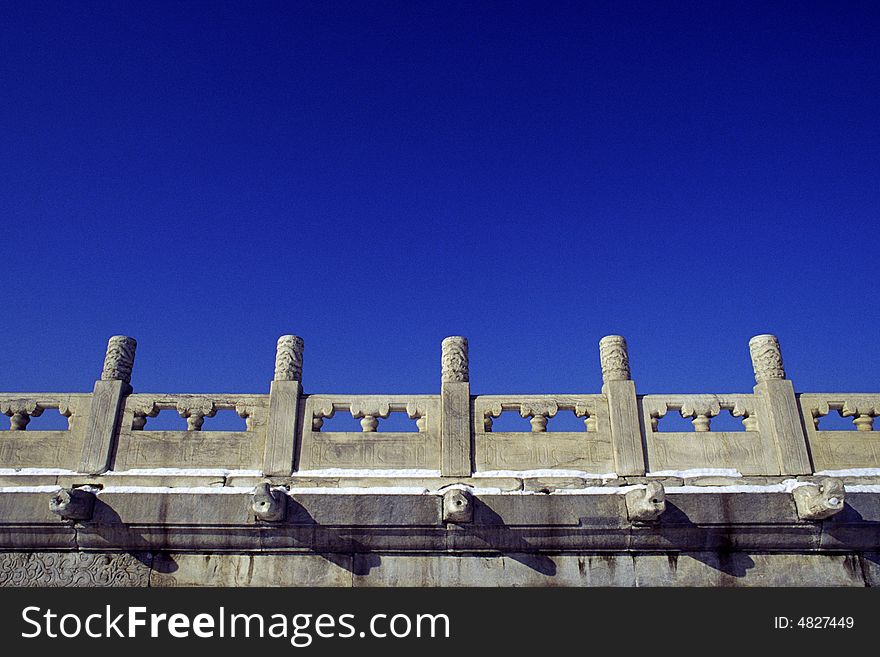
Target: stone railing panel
{"x":140,"y":448}
{"x":751,"y":452}
{"x":589,"y":450}
{"x":23,"y":447}
{"x":370,"y":448}
{"x":842,"y":450}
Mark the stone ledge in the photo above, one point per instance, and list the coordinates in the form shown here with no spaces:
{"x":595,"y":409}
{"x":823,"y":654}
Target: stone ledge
{"x":164,"y":569}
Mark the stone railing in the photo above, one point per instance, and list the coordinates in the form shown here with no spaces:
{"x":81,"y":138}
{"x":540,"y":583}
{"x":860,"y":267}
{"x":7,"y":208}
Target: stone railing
{"x":109,"y":429}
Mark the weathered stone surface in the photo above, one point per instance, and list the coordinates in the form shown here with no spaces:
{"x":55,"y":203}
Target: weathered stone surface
{"x":487,"y":571}
{"x":713,"y":481}
{"x":29,"y":506}
{"x":251,"y":570}
{"x":233,"y":450}
{"x":556,"y":510}
{"x":729,"y":508}
{"x":455,"y":428}
{"x":173,"y":508}
{"x":871,"y":567}
{"x":101,"y":427}
{"x":60,"y":536}
{"x":550,"y":484}
{"x":626,"y":439}
{"x":743,"y":569}
{"x":41,"y":449}
{"x":66,"y":569}
{"x":281,"y":434}
{"x":666,"y":481}
{"x":374,"y":509}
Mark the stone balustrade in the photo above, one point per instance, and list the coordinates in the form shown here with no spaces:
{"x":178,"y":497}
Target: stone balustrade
{"x":454,"y":434}
{"x":606,"y":487}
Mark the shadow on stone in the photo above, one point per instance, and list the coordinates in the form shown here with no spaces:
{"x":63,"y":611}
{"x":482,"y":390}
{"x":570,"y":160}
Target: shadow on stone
{"x":712,"y":548}
{"x":735,"y":564}
{"x":492,"y":530}
{"x":354,"y":556}
{"x":112,"y":529}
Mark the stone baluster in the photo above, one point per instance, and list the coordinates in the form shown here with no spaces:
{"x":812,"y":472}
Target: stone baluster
{"x":105,"y":410}
{"x":747,"y":413}
{"x":862,"y":415}
{"x":284,"y":401}
{"x":368,"y":411}
{"x":618,"y":387}
{"x":779,"y":416}
{"x":701,"y":413}
{"x":455,"y":413}
{"x":590,"y":420}
{"x":20,"y":412}
{"x":195,"y":411}
{"x":417,"y":413}
{"x":539,"y":412}
{"x":140,"y":412}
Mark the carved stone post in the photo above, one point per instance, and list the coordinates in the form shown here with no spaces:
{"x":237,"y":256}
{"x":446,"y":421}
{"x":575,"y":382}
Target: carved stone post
{"x":618,"y":387}
{"x":455,"y":409}
{"x":284,"y":396}
{"x":780,"y":419}
{"x":108,"y":398}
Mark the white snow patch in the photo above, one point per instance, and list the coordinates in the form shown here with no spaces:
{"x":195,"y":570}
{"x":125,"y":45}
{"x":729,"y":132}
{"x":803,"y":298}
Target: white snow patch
{"x":852,"y":472}
{"x":198,"y":490}
{"x":352,"y":490}
{"x":36,"y":471}
{"x":29,"y":489}
{"x":697,"y":472}
{"x":595,"y":490}
{"x":343,"y":472}
{"x":473,"y":490}
{"x":862,"y":488}
{"x":524,"y":474}
{"x":783,"y":487}
{"x":185,"y":472}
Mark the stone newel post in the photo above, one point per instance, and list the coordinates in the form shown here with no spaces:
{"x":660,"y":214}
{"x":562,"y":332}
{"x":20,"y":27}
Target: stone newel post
{"x":108,"y":398}
{"x":775,"y":395}
{"x":455,"y":409}
{"x":119,"y":359}
{"x":615,"y":358}
{"x":626,"y":438}
{"x":284,"y":399}
{"x":766,"y":358}
{"x":289,"y":358}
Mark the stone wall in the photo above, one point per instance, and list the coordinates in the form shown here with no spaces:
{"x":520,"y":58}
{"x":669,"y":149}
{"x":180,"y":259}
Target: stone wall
{"x":620,"y":501}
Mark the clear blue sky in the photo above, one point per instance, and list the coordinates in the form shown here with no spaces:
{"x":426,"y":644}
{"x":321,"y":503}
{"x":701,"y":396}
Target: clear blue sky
{"x":375,"y":176}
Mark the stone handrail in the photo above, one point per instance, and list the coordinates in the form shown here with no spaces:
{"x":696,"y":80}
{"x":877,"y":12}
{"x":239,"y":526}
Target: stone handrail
{"x":109,"y":428}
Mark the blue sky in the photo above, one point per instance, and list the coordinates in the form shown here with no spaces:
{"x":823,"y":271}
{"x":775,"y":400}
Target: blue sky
{"x":375,"y":176}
